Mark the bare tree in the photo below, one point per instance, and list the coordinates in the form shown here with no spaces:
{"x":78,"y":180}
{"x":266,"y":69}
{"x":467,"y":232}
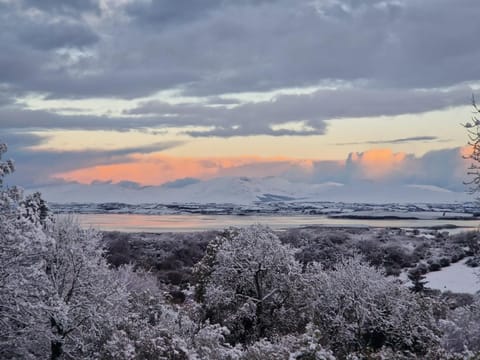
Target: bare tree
{"x":473,"y":131}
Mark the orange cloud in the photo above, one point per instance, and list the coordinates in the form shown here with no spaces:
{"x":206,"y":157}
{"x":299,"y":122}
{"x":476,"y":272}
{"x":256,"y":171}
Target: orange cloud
{"x":158,"y":168}
{"x":155,"y":169}
{"x":378,"y":163}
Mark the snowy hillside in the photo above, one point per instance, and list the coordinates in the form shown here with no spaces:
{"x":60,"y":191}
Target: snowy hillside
{"x":242,"y":190}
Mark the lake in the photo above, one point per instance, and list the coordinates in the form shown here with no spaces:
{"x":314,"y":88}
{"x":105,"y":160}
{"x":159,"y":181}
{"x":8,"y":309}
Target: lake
{"x":193,"y":222}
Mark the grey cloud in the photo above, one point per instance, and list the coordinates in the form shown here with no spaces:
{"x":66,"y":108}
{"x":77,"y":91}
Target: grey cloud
{"x":147,"y":149}
{"x":243,"y":130}
{"x":444,"y":168}
{"x":430,"y":45}
{"x":248,"y":119}
{"x":374,"y":44}
{"x":62,"y":6}
{"x":395,"y":141}
{"x":18,"y":140}
{"x":409,"y":139}
{"x":5,"y":99}
{"x":16,"y":66}
{"x":260,"y":118}
{"x":29,"y":48}
{"x":31,"y":165}
{"x":214,"y":47}
{"x":57,"y":35}
{"x":312,"y":109}
{"x":161,"y":13}
{"x":18,"y":118}
{"x":164,"y":12}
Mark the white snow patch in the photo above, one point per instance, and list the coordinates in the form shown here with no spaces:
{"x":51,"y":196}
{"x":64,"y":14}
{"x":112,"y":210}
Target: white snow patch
{"x":430,"y":188}
{"x":457,"y":277}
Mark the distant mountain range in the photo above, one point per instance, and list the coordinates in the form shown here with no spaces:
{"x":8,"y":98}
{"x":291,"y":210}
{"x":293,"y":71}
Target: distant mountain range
{"x":243,"y":190}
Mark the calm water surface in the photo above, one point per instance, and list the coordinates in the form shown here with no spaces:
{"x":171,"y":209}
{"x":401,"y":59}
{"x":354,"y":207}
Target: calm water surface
{"x":191,"y":222}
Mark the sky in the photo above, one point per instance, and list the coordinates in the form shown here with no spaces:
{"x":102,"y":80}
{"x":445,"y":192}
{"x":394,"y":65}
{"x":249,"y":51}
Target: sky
{"x":310,"y":90}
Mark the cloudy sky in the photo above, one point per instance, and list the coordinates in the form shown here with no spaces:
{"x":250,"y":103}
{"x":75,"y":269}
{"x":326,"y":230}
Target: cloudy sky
{"x":314,"y":90}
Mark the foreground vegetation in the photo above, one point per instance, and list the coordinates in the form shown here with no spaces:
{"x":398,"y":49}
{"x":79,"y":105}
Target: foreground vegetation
{"x":71,"y":293}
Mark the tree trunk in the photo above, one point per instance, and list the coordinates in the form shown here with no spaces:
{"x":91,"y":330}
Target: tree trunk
{"x":56,"y":349}
{"x":259,"y":306}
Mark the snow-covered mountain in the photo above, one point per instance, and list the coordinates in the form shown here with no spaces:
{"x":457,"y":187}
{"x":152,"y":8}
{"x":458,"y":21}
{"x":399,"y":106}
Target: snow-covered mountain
{"x":242,"y":190}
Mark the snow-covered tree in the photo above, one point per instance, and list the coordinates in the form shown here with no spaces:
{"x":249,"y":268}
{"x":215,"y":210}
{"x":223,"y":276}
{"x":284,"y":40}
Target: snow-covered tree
{"x":209,"y":342}
{"x":418,"y":278}
{"x":148,"y":330}
{"x":6,"y":166}
{"x":289,"y":347}
{"x":57,"y":294}
{"x":462,"y":329}
{"x":252,"y":284}
{"x":357,"y":309}
{"x":155,"y":329}
{"x":87,"y":299}
{"x":23,"y":282}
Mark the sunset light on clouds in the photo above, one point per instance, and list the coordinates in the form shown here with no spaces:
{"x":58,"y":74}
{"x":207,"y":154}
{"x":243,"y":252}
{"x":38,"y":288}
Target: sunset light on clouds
{"x":156,"y":91}
{"x":378,"y":163}
{"x":158,"y":169}
{"x":374,"y":164}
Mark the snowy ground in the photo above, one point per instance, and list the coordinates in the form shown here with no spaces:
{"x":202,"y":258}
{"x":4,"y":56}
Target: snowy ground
{"x":424,"y":211}
{"x":395,"y":214}
{"x":457,"y":277}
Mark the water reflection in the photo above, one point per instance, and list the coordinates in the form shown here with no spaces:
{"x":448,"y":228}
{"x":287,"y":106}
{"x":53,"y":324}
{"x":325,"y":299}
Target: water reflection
{"x":189,"y":223}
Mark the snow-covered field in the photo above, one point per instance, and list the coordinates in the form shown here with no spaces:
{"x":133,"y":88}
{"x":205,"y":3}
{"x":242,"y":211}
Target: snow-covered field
{"x":457,"y":277}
